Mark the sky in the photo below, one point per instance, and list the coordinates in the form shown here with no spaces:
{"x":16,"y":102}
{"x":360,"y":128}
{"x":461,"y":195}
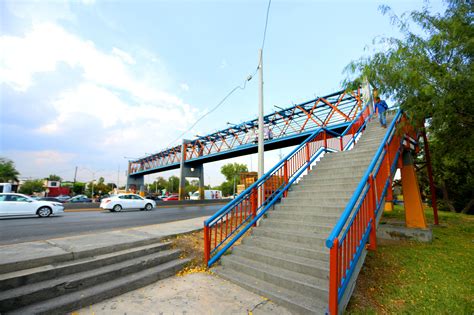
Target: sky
{"x":92,"y":84}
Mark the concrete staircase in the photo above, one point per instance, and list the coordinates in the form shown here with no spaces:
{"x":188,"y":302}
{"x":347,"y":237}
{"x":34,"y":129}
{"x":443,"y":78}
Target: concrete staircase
{"x":285,"y":258}
{"x":73,"y":284}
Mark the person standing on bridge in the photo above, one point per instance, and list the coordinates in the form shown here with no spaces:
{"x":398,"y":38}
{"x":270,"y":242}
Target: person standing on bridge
{"x":380,"y":108}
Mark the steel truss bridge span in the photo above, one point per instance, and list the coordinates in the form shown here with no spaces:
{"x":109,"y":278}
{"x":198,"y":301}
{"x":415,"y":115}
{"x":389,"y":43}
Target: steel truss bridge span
{"x":283,"y":128}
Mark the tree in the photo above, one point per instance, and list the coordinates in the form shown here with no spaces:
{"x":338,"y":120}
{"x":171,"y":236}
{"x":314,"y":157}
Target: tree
{"x":8,"y":171}
{"x":232,"y":170}
{"x":227,"y":188}
{"x":79,"y":188}
{"x":54,"y":177}
{"x":431,"y":76}
{"x":158,"y":185}
{"x":173,"y":184}
{"x":32,"y":186}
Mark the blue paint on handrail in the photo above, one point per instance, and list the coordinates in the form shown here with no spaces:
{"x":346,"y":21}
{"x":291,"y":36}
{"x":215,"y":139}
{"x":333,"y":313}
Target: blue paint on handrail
{"x":226,"y":208}
{"x":347,"y":211}
{"x":352,"y":263}
{"x":259,"y":181}
{"x":264,"y":210}
{"x":246,"y":192}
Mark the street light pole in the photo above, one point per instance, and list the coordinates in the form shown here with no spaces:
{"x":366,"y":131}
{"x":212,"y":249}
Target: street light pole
{"x":260,"y":127}
{"x":233,"y":195}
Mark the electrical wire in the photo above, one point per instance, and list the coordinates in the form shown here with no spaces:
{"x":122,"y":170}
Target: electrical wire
{"x":240,"y":86}
{"x":266,"y":23}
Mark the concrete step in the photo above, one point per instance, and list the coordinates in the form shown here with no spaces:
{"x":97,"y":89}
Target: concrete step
{"x":324,"y":216}
{"x":48,"y":289}
{"x":344,"y":178}
{"x":345,"y":191}
{"x":293,"y":301}
{"x":345,"y":157}
{"x":78,"y":299}
{"x":335,"y":170}
{"x":18,"y":278}
{"x":314,"y":240}
{"x":297,"y":202}
{"x":306,"y":226}
{"x":291,"y":237}
{"x":293,"y":248}
{"x":79,"y":254}
{"x":315,"y":268}
{"x":330,"y":186}
{"x":301,"y":283}
{"x":332,"y":199}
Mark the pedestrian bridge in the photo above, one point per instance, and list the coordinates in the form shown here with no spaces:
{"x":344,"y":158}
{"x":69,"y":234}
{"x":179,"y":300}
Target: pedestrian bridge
{"x":285,"y":127}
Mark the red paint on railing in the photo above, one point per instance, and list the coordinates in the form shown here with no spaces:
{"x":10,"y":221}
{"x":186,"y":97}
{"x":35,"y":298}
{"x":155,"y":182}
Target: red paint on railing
{"x":345,"y":247}
{"x":246,"y":209}
{"x":333,"y":277}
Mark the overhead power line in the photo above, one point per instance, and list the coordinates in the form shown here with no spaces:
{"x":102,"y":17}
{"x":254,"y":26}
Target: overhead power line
{"x":238,"y":87}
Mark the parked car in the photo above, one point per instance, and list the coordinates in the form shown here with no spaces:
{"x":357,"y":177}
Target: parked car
{"x":12,"y":204}
{"x":53,"y":199}
{"x":171,"y":197}
{"x":80,"y":198}
{"x":63,"y":198}
{"x":100,"y":198}
{"x":127,"y":201}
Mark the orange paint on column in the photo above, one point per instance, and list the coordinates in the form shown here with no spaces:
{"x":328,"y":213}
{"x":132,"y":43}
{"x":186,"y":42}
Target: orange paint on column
{"x":414,"y":214}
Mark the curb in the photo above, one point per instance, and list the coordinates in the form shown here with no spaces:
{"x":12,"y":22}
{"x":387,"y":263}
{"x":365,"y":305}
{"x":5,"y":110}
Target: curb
{"x":72,"y":248}
{"x":159,"y":206}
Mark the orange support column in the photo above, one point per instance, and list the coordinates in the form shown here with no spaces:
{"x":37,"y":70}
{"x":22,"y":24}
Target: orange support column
{"x":389,"y":197}
{"x":414,"y":214}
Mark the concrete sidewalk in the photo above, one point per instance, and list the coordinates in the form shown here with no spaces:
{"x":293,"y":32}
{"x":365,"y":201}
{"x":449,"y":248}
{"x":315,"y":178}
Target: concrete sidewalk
{"x":198,"y":293}
{"x":33,"y":254}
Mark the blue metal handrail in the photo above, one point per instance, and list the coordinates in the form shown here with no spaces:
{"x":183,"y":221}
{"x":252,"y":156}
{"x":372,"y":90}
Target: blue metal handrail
{"x":265,"y":208}
{"x":280,"y":163}
{"x":347,"y":211}
{"x":276,"y":195}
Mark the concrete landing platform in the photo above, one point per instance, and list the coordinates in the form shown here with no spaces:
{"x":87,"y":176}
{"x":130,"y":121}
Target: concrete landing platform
{"x":398,"y":231}
{"x":197,"y":293}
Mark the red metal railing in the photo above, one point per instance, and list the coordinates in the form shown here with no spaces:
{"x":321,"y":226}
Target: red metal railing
{"x":338,"y":108}
{"x":357,"y":225}
{"x":224,"y":228}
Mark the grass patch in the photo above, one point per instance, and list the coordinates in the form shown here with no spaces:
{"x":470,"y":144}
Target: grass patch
{"x":192,"y":247}
{"x":417,"y":278}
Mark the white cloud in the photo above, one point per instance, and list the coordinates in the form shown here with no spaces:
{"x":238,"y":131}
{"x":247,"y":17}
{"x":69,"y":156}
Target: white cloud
{"x":184,"y":87}
{"x":39,"y":10}
{"x":124,"y":56}
{"x":116,"y":108}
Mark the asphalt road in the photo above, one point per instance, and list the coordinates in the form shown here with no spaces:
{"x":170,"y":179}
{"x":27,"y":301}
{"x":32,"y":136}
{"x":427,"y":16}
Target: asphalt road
{"x":17,"y":230}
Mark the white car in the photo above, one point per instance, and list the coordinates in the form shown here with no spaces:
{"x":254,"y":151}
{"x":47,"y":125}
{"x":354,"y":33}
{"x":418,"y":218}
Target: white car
{"x":19,"y":204}
{"x":127,"y":201}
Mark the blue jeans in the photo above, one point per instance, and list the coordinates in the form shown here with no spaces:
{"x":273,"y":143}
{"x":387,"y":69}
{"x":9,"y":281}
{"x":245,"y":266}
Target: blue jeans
{"x":383,"y":118}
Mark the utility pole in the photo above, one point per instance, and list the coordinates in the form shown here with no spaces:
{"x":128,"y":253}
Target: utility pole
{"x":233,"y":195}
{"x":260,"y":126}
{"x":75,"y":175}
{"x":118,"y":178}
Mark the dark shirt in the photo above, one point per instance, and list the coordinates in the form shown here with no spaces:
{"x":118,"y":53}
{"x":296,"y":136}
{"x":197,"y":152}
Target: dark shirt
{"x":380,"y":107}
